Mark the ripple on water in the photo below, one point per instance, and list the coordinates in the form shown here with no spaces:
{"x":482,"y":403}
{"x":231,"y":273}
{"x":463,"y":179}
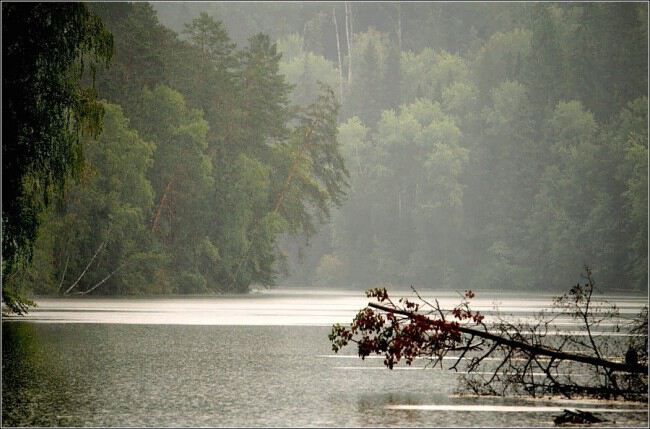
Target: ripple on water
{"x":131,"y":363}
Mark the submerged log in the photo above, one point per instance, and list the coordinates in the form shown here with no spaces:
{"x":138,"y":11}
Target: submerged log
{"x":576,"y":417}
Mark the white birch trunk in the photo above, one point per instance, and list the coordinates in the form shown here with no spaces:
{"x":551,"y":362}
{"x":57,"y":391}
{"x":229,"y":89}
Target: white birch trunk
{"x":348,"y":34}
{"x":399,"y":27}
{"x":338,"y":51}
{"x":87,"y":266}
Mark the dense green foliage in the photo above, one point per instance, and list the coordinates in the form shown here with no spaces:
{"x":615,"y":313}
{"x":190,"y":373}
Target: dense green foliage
{"x":504,"y":146}
{"x":46,"y":49}
{"x":489,"y":145}
{"x":203,"y":162}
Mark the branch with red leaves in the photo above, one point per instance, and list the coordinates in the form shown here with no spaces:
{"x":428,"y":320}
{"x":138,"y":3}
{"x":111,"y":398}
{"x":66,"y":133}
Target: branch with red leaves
{"x":529,"y":357}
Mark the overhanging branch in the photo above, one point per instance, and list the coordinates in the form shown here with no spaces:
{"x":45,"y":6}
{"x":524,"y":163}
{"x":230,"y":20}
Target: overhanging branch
{"x":532,"y":349}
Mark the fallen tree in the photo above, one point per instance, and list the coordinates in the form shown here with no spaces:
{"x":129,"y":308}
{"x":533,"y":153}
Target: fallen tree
{"x":506,"y":357}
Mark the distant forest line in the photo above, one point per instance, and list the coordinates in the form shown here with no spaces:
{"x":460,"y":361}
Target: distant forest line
{"x":445,"y":145}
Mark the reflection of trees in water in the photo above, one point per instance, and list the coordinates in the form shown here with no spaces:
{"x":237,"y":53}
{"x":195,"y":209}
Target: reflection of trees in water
{"x":34,"y":386}
{"x":374,"y":400}
{"x":372,"y":406}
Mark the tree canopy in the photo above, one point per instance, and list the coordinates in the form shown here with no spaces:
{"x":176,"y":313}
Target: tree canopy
{"x":188,"y":171}
{"x":441,"y":145}
{"x":47,"y":107}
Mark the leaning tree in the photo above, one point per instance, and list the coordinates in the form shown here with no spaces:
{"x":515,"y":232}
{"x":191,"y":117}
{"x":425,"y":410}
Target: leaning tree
{"x":503,"y":357}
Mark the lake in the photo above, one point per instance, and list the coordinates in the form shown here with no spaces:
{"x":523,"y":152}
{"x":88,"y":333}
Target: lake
{"x":257,"y":360}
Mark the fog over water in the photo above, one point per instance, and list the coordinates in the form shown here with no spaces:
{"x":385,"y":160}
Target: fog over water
{"x":295,"y":307}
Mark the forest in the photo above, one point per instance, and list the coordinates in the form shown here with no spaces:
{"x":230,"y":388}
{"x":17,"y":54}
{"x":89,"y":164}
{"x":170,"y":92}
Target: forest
{"x":196,"y":148}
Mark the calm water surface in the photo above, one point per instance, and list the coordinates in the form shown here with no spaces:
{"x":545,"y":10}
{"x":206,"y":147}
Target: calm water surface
{"x":259,"y":360}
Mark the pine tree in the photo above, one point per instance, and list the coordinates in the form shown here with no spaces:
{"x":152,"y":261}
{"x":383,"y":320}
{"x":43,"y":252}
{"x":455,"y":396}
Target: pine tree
{"x":263,"y":97}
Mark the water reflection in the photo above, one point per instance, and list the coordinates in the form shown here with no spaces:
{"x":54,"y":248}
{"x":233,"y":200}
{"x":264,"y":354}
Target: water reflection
{"x":138,"y":362}
{"x":373,"y":408}
{"x":36,"y":391}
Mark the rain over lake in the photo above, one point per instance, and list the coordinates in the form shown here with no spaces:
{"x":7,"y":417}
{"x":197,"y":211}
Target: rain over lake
{"x":325,"y":214}
{"x":259,"y":360}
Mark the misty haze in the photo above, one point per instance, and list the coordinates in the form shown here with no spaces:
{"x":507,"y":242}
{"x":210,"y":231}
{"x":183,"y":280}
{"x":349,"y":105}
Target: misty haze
{"x":324,"y":214}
